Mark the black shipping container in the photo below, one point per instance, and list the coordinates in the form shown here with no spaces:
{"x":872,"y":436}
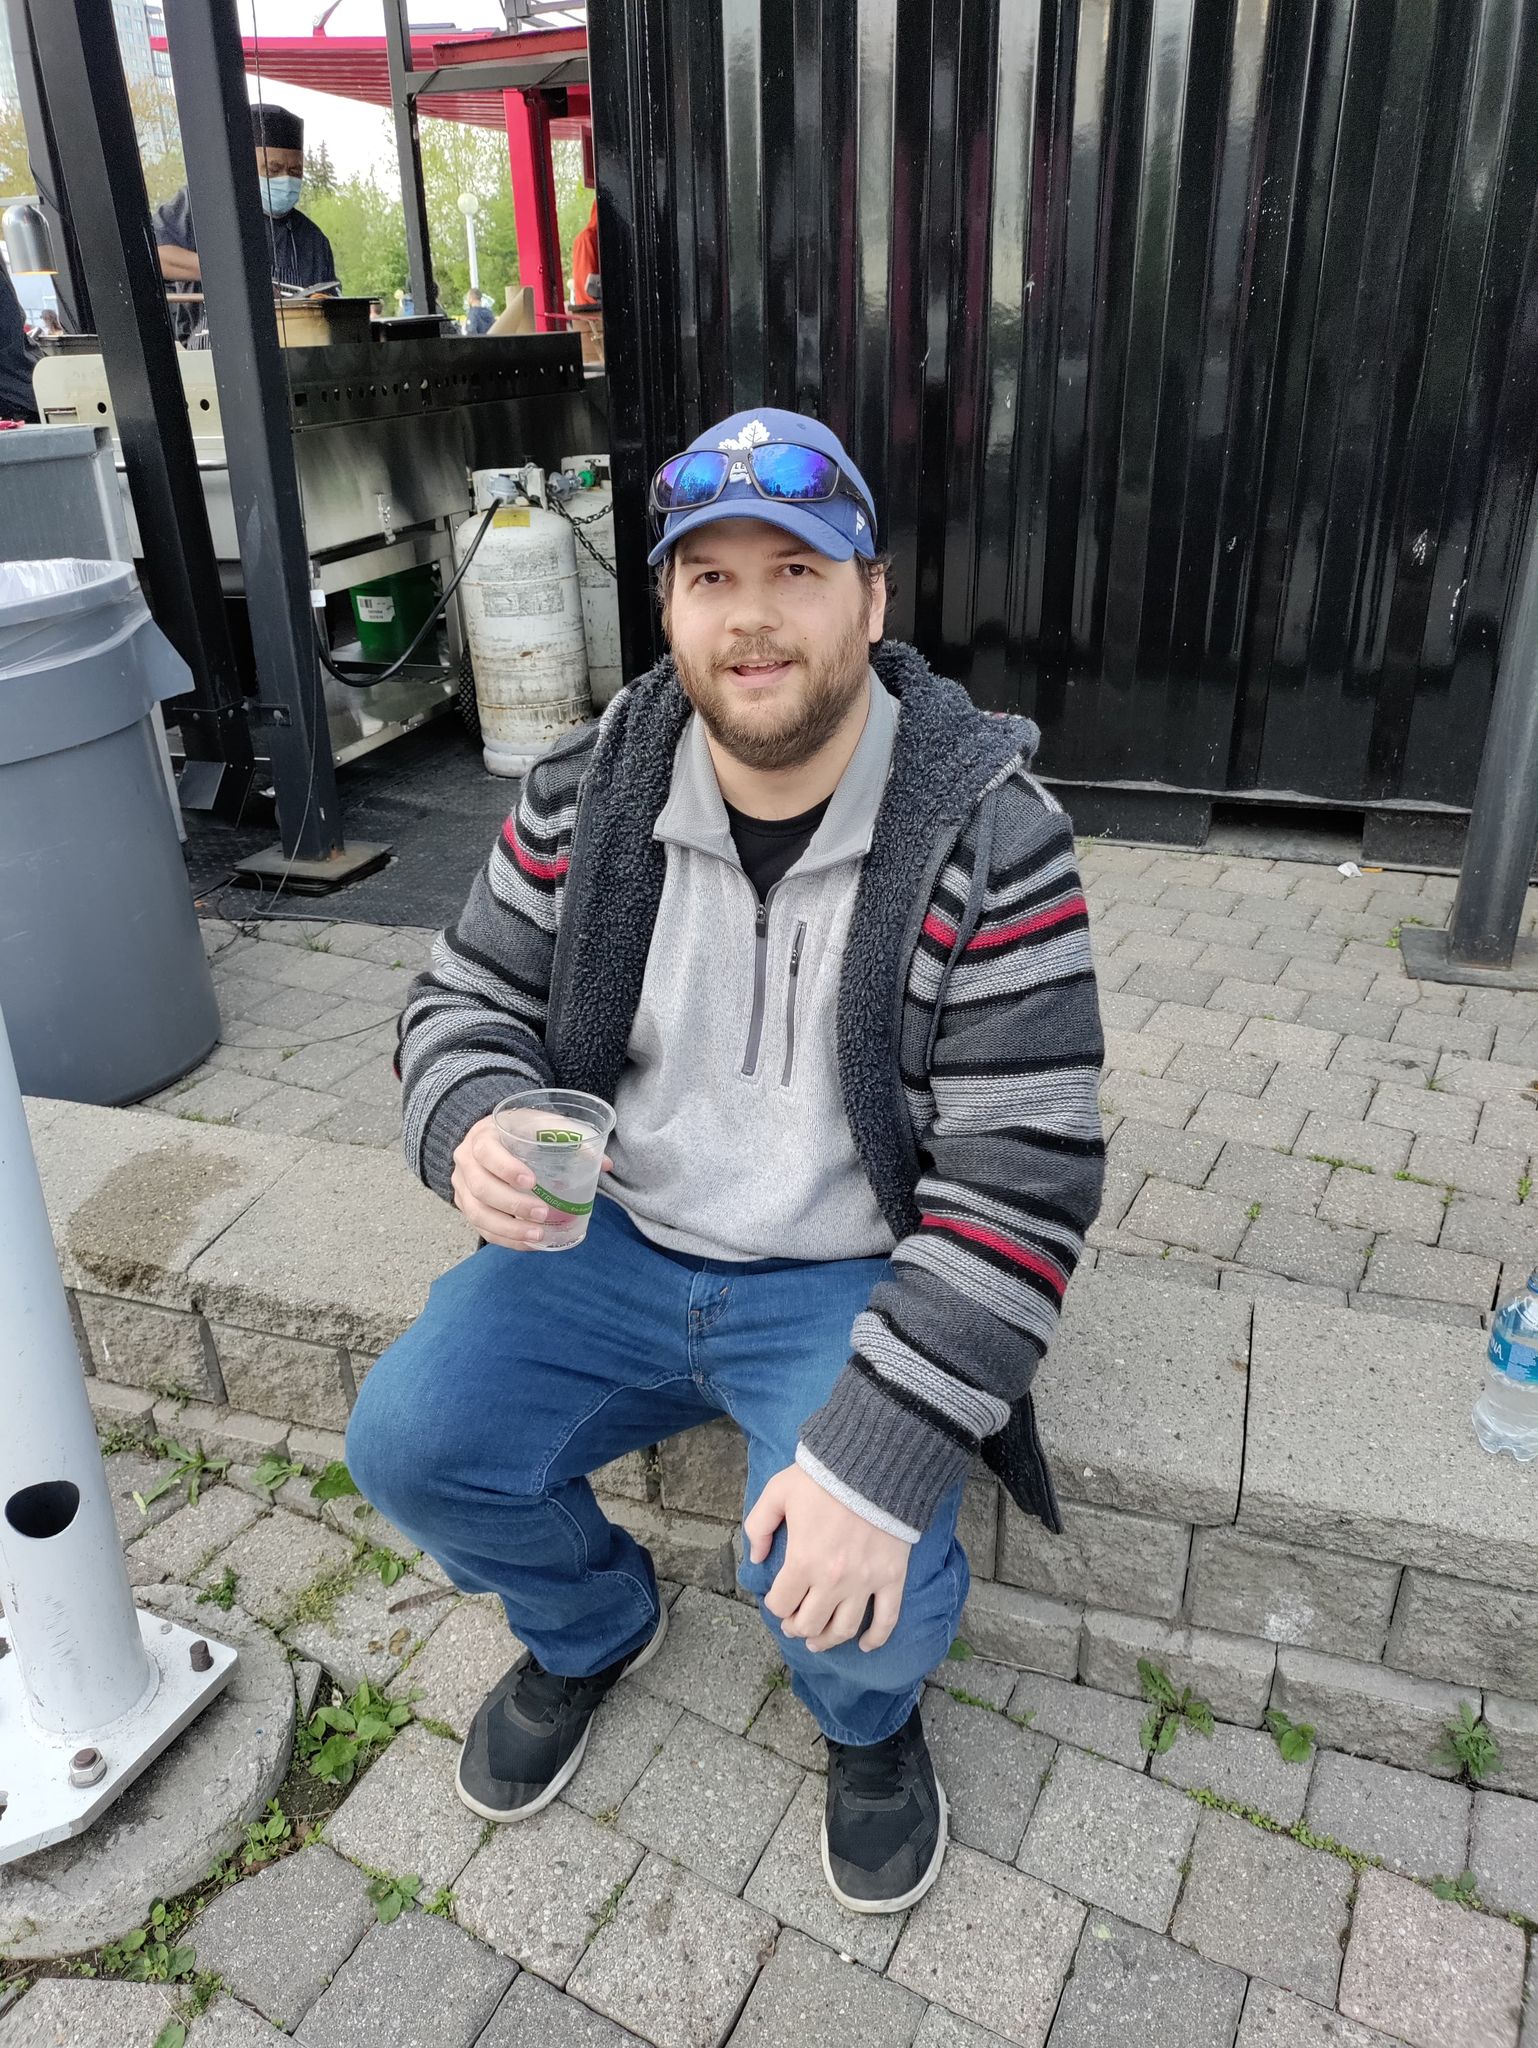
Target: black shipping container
{"x":1190,"y":346}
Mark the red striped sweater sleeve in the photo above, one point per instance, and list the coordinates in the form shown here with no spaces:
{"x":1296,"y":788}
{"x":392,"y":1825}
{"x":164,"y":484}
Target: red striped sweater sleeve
{"x":473,"y":1027}
{"x":1002,"y":1087}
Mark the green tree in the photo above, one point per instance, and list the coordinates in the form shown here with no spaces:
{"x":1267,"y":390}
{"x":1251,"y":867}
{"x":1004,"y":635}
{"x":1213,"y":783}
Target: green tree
{"x":15,"y":172}
{"x":573,"y":199}
{"x":160,"y":150}
{"x":362,"y":221}
{"x":160,"y":142}
{"x":319,"y":171}
{"x":457,"y":158}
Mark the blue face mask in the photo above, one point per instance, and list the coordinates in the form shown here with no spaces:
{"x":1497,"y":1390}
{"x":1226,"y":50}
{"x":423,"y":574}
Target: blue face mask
{"x":279,"y":195}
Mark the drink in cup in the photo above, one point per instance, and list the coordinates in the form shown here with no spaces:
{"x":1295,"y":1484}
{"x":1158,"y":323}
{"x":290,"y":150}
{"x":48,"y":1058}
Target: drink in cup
{"x":561,"y":1135}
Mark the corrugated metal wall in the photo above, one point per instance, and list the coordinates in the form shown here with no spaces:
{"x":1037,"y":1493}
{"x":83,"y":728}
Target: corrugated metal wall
{"x":1191,"y":346}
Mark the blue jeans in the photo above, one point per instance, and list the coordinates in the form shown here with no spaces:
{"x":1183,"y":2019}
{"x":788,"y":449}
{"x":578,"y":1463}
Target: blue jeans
{"x":526,"y":1371}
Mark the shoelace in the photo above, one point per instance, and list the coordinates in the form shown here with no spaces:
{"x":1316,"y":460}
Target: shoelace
{"x":541,"y":1694}
{"x":874,"y":1771}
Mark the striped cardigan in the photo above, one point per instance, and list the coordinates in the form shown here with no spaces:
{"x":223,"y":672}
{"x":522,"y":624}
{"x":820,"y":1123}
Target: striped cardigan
{"x":969,"y":1052}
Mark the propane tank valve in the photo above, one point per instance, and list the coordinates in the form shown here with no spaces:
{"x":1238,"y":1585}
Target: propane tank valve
{"x":504,"y":488}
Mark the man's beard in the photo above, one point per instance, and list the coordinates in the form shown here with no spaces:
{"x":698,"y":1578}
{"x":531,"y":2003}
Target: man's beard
{"x":833,"y":684}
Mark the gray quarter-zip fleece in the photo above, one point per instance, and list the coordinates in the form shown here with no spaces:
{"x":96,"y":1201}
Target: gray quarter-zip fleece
{"x":732,"y":1141}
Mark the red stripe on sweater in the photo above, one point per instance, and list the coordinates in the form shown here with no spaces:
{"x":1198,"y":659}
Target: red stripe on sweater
{"x":937,"y":929}
{"x":541,"y":870}
{"x":1042,"y":921}
{"x":1017,"y":1254}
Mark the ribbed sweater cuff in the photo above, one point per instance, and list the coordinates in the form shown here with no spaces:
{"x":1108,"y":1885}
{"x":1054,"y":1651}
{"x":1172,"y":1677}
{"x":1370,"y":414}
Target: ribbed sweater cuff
{"x":461,"y":1107}
{"x":867,"y":1510}
{"x":884,"y":1452}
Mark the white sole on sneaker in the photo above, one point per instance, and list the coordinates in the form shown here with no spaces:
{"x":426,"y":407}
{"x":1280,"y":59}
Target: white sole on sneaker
{"x":573,"y":1763}
{"x":908,"y":1899}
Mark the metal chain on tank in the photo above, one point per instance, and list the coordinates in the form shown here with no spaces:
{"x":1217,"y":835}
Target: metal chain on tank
{"x":557,"y":504}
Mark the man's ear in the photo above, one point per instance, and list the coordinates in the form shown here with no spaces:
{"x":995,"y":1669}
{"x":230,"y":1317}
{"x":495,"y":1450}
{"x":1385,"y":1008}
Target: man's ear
{"x":876,"y":629}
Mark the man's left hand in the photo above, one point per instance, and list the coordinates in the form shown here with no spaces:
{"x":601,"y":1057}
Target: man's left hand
{"x":835,"y":1564}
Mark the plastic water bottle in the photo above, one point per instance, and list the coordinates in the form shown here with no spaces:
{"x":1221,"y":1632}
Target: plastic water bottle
{"x":1506,"y":1413}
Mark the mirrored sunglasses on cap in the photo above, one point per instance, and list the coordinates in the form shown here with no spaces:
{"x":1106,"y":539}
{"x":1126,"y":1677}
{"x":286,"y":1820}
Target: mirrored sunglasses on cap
{"x":779,"y":470}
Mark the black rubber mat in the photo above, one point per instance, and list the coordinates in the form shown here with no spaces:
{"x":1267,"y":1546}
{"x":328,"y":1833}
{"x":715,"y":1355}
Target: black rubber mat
{"x":427,"y":797}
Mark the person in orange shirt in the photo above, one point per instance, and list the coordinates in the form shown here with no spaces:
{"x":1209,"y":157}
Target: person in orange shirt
{"x":585,"y":272}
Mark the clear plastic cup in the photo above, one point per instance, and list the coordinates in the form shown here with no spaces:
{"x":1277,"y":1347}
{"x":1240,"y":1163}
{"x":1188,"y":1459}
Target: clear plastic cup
{"x":561,"y":1135}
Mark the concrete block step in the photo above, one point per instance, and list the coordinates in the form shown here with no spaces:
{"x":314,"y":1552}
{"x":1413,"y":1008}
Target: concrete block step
{"x":1275,"y":1471}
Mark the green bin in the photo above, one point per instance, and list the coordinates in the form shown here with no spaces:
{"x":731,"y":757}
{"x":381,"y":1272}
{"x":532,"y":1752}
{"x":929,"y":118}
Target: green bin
{"x":391,"y":611}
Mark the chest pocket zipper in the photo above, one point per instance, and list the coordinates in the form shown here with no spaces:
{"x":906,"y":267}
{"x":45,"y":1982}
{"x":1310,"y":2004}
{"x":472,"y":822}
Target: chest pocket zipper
{"x":790,"y":1003}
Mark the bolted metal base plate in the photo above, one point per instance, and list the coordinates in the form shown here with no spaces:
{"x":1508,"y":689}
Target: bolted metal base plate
{"x":1426,"y":958}
{"x":38,"y":1804}
{"x":311,"y":877}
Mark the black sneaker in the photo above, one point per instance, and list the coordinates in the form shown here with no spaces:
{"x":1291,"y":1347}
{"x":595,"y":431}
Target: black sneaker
{"x":884,"y":1830}
{"x":530,"y":1733}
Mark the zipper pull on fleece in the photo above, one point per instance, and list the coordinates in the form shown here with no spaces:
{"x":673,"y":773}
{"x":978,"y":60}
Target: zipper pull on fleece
{"x":761,"y":920}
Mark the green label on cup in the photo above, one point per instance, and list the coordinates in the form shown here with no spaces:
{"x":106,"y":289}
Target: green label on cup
{"x":558,"y":1137}
{"x":566,"y":1208}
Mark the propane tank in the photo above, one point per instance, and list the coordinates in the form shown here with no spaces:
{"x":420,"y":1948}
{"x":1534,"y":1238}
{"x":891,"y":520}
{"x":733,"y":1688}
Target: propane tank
{"x":584,"y":489}
{"x":522,"y":612}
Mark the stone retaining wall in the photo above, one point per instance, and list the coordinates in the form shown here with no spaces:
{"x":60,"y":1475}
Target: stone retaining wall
{"x":1279,"y":1502}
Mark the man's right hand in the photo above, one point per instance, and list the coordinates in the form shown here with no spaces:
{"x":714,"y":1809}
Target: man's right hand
{"x":493,"y":1190}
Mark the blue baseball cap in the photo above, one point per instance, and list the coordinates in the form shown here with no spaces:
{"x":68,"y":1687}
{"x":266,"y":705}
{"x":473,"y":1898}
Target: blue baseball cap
{"x":836,"y":527}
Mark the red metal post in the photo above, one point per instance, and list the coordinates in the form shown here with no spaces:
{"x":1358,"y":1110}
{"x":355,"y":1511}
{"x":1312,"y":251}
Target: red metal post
{"x":539,"y":243}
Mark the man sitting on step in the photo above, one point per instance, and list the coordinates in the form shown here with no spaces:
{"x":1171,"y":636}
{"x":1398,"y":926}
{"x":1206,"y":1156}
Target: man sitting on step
{"x":801,"y":913}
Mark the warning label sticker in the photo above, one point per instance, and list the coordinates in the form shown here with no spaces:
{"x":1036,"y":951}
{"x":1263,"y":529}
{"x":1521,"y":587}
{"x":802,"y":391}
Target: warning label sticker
{"x":522,"y":600}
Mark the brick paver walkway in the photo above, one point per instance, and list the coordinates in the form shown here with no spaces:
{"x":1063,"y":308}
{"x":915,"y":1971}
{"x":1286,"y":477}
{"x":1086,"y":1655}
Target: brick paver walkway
{"x":1091,"y":1897}
{"x":1284,"y":1105}
{"x":309,"y":1012}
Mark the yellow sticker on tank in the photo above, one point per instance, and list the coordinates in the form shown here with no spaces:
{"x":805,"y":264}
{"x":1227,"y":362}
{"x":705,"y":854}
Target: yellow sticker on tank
{"x":511,"y":515}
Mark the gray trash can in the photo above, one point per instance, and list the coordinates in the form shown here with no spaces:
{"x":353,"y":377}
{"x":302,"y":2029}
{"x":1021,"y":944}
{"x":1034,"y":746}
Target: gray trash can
{"x":103,"y":978}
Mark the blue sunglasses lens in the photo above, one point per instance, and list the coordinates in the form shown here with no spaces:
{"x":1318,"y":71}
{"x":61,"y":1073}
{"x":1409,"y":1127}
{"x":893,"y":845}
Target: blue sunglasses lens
{"x":796,"y":473}
{"x":689,"y":480}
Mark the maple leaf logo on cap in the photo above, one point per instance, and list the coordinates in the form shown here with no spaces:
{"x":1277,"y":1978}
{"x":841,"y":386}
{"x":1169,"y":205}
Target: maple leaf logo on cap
{"x":753,"y":435}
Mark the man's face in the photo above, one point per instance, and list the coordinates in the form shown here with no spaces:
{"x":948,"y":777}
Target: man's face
{"x":772,"y":639}
{"x":279,"y":163}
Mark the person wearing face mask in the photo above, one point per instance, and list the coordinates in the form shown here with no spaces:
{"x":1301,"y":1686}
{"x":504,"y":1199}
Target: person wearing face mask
{"x":301,"y":255}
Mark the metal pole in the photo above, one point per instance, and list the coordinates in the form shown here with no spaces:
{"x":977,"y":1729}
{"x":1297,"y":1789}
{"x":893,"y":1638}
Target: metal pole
{"x":75,"y":42}
{"x":533,"y":180}
{"x":408,"y":149}
{"x":236,"y":261}
{"x":1481,"y":944}
{"x":58,"y":1538}
{"x":94,"y":1690}
{"x":475,"y":268}
{"x":633,"y":144}
{"x":43,"y":159}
